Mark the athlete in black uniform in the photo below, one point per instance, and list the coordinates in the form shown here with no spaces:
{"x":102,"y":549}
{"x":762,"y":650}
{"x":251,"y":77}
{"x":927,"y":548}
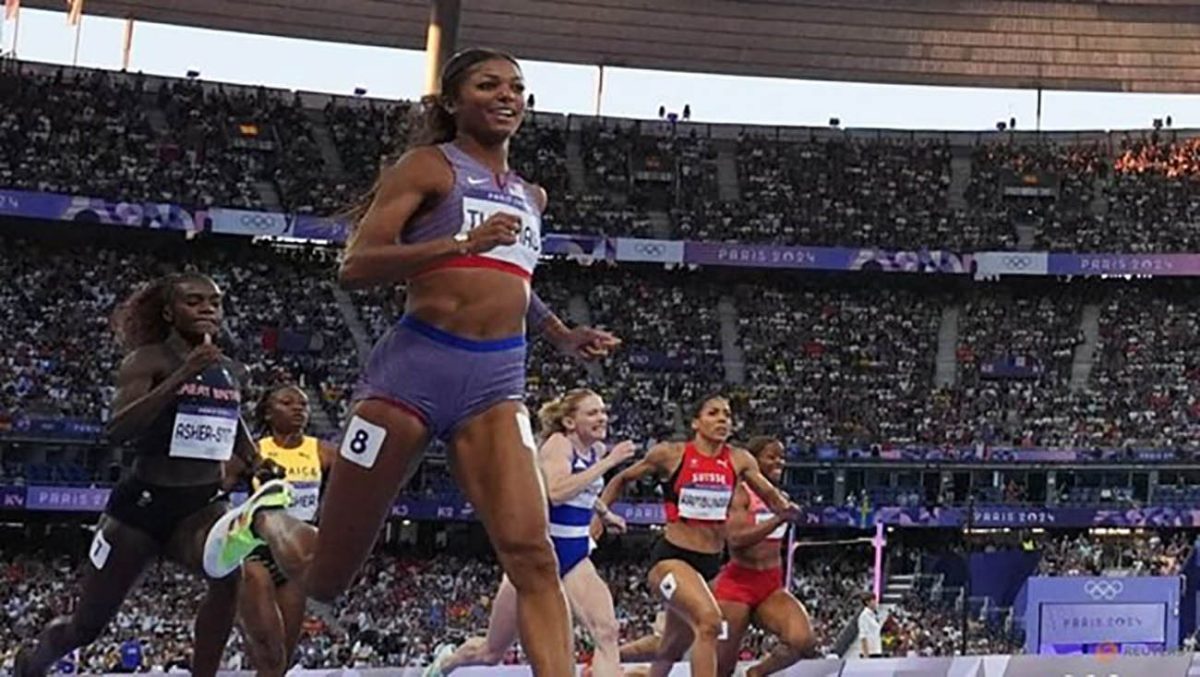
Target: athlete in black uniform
{"x":179,"y":402}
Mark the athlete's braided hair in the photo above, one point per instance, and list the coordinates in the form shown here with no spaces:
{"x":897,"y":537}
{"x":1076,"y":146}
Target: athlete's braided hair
{"x":138,"y":321}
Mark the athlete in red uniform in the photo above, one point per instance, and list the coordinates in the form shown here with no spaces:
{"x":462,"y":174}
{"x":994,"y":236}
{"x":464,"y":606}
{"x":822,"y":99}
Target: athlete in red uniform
{"x":751,"y":585}
{"x":700,"y":480}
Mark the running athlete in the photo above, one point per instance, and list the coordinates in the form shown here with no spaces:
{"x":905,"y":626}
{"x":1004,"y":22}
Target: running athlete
{"x":700,"y":478}
{"x":271,"y":607}
{"x":178,"y":401}
{"x":751,"y":584}
{"x":573,"y":460}
{"x":454,"y":223}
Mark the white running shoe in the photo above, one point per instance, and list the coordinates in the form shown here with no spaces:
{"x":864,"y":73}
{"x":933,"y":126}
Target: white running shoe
{"x":440,"y":655}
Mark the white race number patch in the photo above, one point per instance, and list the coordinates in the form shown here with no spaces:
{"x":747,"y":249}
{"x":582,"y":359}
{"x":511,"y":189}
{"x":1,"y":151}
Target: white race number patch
{"x":362,"y":442}
{"x":100,"y":550}
{"x":667,"y":586}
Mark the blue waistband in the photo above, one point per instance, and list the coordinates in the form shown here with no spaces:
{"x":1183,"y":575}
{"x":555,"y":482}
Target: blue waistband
{"x":454,"y":341}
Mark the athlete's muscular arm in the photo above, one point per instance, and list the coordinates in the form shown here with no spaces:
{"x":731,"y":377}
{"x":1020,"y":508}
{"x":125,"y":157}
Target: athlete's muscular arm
{"x":373,"y":255}
{"x":655,"y":462}
{"x":561,"y":484}
{"x":539,"y":317}
{"x":741,"y":530}
{"x":748,"y":472}
{"x":326,"y":452}
{"x":136,"y":403}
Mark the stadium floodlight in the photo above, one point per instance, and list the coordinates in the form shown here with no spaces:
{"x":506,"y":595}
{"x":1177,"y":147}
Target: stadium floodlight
{"x":192,"y":74}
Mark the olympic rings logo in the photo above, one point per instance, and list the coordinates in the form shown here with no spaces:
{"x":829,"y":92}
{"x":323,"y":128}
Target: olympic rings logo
{"x":650,"y":249}
{"x":1018,"y":262}
{"x":258,"y":221}
{"x":1102,"y":589}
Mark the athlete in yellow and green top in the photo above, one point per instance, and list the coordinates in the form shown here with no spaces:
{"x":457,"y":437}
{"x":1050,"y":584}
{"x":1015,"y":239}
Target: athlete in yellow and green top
{"x":271,"y":607}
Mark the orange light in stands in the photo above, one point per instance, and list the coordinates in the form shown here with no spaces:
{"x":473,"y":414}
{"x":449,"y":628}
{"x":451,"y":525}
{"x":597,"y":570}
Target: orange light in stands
{"x":248,"y":129}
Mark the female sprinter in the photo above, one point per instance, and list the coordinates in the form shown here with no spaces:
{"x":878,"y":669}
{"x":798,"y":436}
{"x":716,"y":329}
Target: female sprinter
{"x":751,"y":584}
{"x":271,"y":607}
{"x":573,"y":460}
{"x":463,"y":231}
{"x":699,"y":480}
{"x":178,"y":401}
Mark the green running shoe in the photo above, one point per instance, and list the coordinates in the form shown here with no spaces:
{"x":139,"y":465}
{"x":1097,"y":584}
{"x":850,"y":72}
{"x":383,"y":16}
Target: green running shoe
{"x":232,"y":537}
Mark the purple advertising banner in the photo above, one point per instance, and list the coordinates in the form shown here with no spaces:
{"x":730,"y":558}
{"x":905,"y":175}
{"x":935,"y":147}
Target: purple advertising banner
{"x":1080,"y":610}
{"x":99,"y":211}
{"x":580,"y":248}
{"x":12,"y":497}
{"x":1125,"y":264}
{"x":825,"y":258}
{"x":1100,"y":622}
{"x":74,"y":499}
{"x":988,"y":454}
{"x":456,"y":508}
{"x":52,"y":428}
{"x":33,"y":205}
{"x":311,"y":227}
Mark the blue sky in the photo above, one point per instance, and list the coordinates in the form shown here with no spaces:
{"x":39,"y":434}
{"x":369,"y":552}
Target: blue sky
{"x":392,"y":73}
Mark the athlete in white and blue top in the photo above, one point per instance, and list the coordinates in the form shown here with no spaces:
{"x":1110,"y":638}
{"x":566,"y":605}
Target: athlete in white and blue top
{"x":573,"y":458}
{"x":570,"y":519}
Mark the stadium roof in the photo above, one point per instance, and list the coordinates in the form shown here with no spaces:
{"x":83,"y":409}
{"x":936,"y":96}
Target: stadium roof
{"x":1109,"y":45}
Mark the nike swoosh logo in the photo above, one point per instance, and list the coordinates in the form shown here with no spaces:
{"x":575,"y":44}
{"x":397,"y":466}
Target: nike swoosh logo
{"x":476,"y":182}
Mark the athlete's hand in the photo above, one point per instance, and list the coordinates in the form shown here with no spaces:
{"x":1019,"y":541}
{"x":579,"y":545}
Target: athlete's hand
{"x":267,"y":470}
{"x":596,"y":528}
{"x":622,"y":452}
{"x":586,"y":343}
{"x":792,"y":512}
{"x":202,"y":357}
{"x":498,"y":230}
{"x":614,"y":523}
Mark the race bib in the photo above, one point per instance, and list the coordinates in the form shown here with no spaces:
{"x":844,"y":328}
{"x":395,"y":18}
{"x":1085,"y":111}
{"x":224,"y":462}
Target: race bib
{"x":779,"y":532}
{"x":204,"y":433}
{"x":479,"y":206}
{"x":711,"y":505}
{"x":305,"y":499}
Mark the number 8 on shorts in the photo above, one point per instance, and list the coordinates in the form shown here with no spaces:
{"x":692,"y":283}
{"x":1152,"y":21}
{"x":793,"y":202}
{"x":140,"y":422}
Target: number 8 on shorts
{"x":362,"y":442}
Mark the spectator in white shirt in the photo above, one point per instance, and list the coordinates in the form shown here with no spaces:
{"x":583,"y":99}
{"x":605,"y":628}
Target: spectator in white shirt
{"x":870,"y":640}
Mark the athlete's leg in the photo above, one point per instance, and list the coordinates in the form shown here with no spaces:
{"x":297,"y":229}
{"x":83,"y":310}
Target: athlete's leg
{"x":262,"y":624}
{"x":676,"y":638}
{"x":290,"y":598}
{"x":640,"y":650}
{"x":501,"y":634}
{"x":292,"y":541}
{"x":737,"y":619}
{"x":214,"y":617}
{"x":645,"y":648}
{"x":687,"y":594}
{"x":117,"y":557}
{"x":592,"y":604}
{"x":376,"y":460}
{"x":492,"y":458}
{"x":785,"y":617}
